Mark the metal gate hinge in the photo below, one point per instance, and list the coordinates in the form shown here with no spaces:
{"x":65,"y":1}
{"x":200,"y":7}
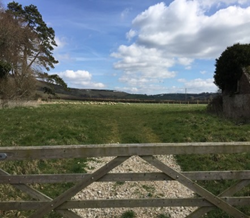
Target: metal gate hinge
{"x":3,"y":156}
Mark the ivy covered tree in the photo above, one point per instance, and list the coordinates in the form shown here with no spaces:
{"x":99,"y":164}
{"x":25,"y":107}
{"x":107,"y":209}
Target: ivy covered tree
{"x":229,"y":67}
{"x":26,"y":48}
{"x":4,"y":69}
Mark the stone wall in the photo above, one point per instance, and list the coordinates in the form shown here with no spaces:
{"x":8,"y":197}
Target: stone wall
{"x":243,"y":84}
{"x":237,"y":106}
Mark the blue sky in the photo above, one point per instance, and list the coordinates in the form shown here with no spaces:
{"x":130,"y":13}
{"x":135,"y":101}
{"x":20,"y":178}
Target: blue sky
{"x":146,"y":47}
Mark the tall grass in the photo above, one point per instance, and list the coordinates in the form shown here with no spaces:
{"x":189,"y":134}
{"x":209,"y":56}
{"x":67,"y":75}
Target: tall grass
{"x":66,"y":124}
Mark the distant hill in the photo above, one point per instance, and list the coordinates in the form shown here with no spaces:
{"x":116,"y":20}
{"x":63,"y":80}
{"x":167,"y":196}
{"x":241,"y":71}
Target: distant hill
{"x":99,"y":94}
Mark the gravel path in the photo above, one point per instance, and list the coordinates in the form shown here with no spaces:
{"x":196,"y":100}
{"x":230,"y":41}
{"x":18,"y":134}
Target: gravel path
{"x":156,"y":189}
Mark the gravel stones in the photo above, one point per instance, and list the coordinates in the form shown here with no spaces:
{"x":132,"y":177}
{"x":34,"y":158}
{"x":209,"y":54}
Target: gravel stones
{"x":134,"y":190}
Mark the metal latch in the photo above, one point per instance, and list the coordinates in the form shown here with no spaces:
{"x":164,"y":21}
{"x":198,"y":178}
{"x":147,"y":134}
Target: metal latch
{"x":3,"y":156}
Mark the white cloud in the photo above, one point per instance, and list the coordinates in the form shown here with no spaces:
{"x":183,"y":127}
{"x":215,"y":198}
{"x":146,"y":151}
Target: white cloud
{"x":79,"y":74}
{"x":199,"y":85}
{"x":131,"y":34}
{"x":91,"y":85}
{"x":185,"y":61}
{"x":128,"y":89}
{"x":152,"y":88}
{"x":79,"y":79}
{"x":179,"y":33}
{"x":183,"y":29}
{"x":146,"y":89}
{"x":142,"y":64}
{"x":217,"y":3}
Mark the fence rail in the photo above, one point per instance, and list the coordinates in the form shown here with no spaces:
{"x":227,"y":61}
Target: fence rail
{"x":63,"y":203}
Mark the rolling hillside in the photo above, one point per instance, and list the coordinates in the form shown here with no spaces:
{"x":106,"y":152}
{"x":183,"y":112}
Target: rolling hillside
{"x":99,"y":94}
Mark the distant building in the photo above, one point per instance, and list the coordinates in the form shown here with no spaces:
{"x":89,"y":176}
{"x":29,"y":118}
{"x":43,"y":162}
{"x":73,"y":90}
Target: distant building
{"x":238,"y":105}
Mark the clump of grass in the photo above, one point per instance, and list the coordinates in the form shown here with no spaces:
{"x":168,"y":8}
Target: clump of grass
{"x":149,"y":189}
{"x":120,"y":183}
{"x":128,"y":214}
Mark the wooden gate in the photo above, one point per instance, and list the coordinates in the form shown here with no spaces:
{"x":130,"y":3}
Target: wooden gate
{"x":121,"y":152}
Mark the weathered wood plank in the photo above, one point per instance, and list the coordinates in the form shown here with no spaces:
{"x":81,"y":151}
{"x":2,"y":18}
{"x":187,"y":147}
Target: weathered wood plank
{"x":122,"y":177}
{"x":218,"y":175}
{"x":77,"y":151}
{"x":47,"y":208}
{"x":228,"y":192}
{"x":39,"y":196}
{"x":131,"y":203}
{"x":128,"y":203}
{"x":195,"y":187}
{"x":194,"y":175}
{"x":63,"y":178}
{"x":28,"y":190}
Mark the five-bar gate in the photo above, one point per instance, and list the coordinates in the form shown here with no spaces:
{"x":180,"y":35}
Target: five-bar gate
{"x":63,"y":204}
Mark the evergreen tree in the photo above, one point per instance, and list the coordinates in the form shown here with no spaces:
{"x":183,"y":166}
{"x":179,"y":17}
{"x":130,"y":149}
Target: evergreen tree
{"x":229,"y":67}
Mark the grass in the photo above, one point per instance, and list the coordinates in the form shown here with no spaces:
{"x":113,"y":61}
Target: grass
{"x":94,"y":124}
{"x":149,"y":189}
{"x":129,"y":214}
{"x":66,"y":124}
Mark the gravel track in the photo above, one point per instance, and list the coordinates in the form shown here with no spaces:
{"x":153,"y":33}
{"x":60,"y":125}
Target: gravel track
{"x":134,"y":190}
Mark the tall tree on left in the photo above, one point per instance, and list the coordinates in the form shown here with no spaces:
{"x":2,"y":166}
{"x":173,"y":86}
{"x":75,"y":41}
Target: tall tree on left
{"x":26,"y":48}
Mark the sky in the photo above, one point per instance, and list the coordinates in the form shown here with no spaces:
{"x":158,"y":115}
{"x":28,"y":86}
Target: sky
{"x":143,"y":47}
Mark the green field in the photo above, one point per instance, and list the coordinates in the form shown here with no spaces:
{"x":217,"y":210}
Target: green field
{"x":68,"y":123}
